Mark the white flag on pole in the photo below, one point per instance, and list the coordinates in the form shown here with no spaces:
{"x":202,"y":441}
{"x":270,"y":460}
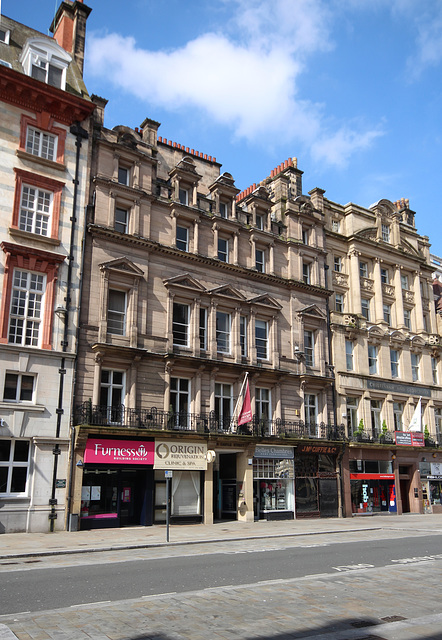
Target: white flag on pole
{"x":416,"y":420}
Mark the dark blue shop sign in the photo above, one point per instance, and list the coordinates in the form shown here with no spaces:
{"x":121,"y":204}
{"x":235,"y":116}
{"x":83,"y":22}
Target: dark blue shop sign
{"x":398,"y":387}
{"x":275,"y":453}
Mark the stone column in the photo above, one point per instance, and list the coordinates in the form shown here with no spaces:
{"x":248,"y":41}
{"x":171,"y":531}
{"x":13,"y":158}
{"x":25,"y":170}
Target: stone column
{"x":215,"y":240}
{"x":399,"y":299}
{"x":418,"y":303}
{"x":244,"y":478}
{"x":97,"y":379}
{"x":208,"y":495}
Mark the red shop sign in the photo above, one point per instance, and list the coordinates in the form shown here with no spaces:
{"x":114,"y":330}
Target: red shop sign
{"x":371,"y":476}
{"x":102,"y":451}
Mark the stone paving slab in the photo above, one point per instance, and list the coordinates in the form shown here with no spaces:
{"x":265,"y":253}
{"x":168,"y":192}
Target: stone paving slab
{"x":345,"y":606}
{"x":19,"y":545}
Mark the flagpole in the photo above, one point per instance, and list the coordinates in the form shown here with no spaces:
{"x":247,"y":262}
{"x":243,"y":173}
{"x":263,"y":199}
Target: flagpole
{"x":238,"y":400}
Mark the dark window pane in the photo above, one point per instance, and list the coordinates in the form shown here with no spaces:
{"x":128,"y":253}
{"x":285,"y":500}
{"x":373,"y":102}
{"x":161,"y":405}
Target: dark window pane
{"x":10,"y":391}
{"x":54,"y":77}
{"x":21,"y":451}
{"x":18,"y":484}
{"x":5,"y":450}
{"x":3,"y":479}
{"x":27,"y":388}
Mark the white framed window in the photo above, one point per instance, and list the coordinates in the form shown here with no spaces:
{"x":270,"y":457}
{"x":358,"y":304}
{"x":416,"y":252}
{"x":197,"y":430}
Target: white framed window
{"x":123,"y":175}
{"x":309,"y":348}
{"x":223,"y":403}
{"x":121,"y":220}
{"x":385,"y":231}
{"x":41,"y":144}
{"x":352,"y":414}
{"x":180,"y":401}
{"x":263,"y":404}
{"x":335,"y":226}
{"x":372,"y":359}
{"x":223,"y":326}
{"x":35,"y":210}
{"x":434,"y":370}
{"x":438,"y":421}
{"x":203,"y":329}
{"x":259,"y":220}
{"x":45,"y":61}
{"x":387,"y":313}
{"x":311,"y":408}
{"x":305,"y":235}
{"x":385,"y":276}
{"x":404,"y":281}
{"x":260,"y":260}
{"x":375,"y":410}
{"x":243,"y":335}
{"x":415,"y":362}
{"x":116,"y":312}
{"x":19,"y":387}
{"x":183,"y":196}
{"x":407,"y":318}
{"x":394,"y":363}
{"x":365,"y":308}
{"x":363,"y":269}
{"x":4,"y":35}
{"x":180,"y":324}
{"x":26,"y":310}
{"x":339,"y":302}
{"x":398,"y":412}
{"x":306,"y":272}
{"x":349,"y":355}
{"x":182,"y":238}
{"x":3,"y":63}
{"x":14,"y":466}
{"x":112,"y":392}
{"x":223,"y":250}
{"x":337,"y":264}
{"x":262,"y":339}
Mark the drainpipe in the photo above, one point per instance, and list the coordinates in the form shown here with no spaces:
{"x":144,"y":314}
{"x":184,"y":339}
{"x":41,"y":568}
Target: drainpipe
{"x":80,"y":134}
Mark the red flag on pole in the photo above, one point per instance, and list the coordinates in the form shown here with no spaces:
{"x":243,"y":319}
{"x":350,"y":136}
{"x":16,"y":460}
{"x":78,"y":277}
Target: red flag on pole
{"x":245,"y":415}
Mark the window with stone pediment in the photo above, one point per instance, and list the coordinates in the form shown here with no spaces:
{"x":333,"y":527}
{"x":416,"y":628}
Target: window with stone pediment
{"x":37,"y":203}
{"x":181,"y":324}
{"x":223,"y":330}
{"x":41,"y":138}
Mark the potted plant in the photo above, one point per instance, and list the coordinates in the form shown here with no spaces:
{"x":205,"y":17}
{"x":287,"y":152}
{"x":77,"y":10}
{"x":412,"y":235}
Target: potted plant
{"x":360,"y":431}
{"x":384,"y":433}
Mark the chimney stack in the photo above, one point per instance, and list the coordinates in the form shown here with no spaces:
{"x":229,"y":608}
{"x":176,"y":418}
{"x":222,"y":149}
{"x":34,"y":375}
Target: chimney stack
{"x":69,"y":29}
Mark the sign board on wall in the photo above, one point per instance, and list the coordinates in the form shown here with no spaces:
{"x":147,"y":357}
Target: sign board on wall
{"x":187,"y":456}
{"x":276,"y":453}
{"x":102,"y":451}
{"x":409,"y":438}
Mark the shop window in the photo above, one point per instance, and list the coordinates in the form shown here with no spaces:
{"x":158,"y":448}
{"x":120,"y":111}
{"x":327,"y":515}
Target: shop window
{"x":339,"y":302}
{"x":14,"y":467}
{"x":182,"y":238}
{"x":121,"y":220}
{"x":261,"y":339}
{"x":309,"y":348}
{"x":394,"y":363}
{"x":223,"y":404}
{"x":112,"y":392}
{"x":116,"y":312}
{"x":26,"y":311}
{"x":365,"y":308}
{"x":37,"y":203}
{"x":415,"y":362}
{"x":180,"y":402}
{"x":186,"y":493}
{"x":223,"y":326}
{"x":372,"y":359}
{"x":203,"y":329}
{"x":223,"y":250}
{"x":243,"y":335}
{"x":19,"y":387}
{"x":349,"y":355}
{"x":180,"y":324}
{"x":275,"y":484}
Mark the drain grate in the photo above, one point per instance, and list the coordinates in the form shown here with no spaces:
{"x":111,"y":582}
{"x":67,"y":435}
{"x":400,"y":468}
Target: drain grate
{"x":393,"y":618}
{"x":359,"y":624}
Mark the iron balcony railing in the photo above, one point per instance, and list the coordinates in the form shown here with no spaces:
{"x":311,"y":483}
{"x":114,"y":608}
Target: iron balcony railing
{"x":211,"y":422}
{"x":376,"y":436}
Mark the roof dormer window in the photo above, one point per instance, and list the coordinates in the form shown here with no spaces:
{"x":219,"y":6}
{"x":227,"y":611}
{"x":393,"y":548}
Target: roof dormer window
{"x":4,"y":35}
{"x":46,"y":61}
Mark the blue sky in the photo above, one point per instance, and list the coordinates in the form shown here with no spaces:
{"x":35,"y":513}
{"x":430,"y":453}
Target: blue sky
{"x":352,"y":88}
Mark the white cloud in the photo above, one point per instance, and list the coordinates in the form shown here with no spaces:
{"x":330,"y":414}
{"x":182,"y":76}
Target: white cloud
{"x":245,"y":78}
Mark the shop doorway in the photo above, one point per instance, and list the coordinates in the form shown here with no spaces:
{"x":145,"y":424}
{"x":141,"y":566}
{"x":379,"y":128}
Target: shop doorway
{"x":405,"y":495}
{"x":133,"y":498}
{"x":328,"y":497}
{"x":224,"y":488}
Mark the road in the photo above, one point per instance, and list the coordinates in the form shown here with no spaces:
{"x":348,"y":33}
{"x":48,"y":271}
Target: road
{"x":37,"y":585}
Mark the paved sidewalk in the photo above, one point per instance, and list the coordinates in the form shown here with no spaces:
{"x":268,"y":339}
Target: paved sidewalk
{"x":16,"y":545}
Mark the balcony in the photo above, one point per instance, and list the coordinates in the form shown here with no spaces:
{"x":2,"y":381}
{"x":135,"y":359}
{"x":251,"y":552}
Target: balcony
{"x":374,"y":436}
{"x":206,"y":423}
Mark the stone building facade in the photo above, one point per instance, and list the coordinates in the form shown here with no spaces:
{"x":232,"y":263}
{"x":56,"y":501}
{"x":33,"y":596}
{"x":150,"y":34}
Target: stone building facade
{"x":45,"y":110}
{"x":188,"y":286}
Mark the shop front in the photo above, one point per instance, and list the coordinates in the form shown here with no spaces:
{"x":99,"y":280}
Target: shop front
{"x":316,"y":481}
{"x":187,"y":461}
{"x":431,"y":477}
{"x":273,"y":482}
{"x":118,"y":482}
{"x":372,"y":484}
